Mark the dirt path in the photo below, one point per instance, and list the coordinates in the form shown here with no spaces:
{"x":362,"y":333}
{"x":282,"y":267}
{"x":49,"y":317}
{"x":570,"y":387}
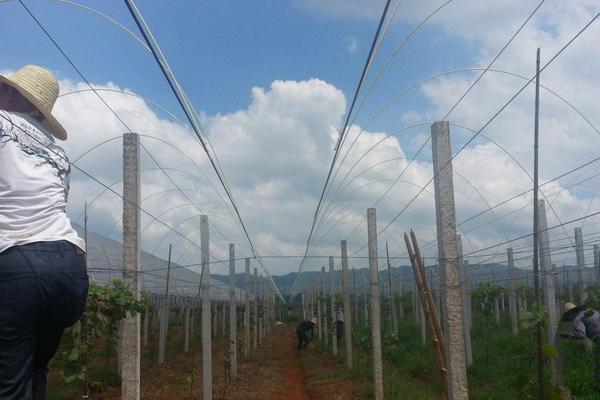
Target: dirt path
{"x":273,"y":372}
{"x":277,"y":371}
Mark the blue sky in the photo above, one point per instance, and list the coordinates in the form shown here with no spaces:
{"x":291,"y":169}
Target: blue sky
{"x":218,"y":49}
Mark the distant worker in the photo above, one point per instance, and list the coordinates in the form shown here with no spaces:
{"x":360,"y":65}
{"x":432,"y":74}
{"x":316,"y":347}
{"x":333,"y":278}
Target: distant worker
{"x":43,"y":277}
{"x":586,"y":323}
{"x":304,"y":328}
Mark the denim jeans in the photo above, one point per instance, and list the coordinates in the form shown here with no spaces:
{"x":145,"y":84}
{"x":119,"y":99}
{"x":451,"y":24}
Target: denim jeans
{"x":303,"y":339}
{"x":43,"y":290}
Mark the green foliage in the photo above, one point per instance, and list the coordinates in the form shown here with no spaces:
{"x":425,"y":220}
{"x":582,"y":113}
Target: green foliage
{"x":524,"y":291}
{"x":487,"y":293}
{"x":106,"y":306}
{"x":593,"y":300}
{"x":538,"y":316}
{"x":338,"y":300}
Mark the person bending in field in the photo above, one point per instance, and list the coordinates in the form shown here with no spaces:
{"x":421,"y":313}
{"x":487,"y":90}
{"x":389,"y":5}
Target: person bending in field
{"x":43,"y":277}
{"x":586,"y":323}
{"x":304,"y":328}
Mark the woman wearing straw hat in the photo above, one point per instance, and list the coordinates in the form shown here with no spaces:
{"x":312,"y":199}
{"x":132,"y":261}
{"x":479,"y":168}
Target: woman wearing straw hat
{"x":43,"y":278}
{"x":586,"y":323}
{"x":302,"y":331}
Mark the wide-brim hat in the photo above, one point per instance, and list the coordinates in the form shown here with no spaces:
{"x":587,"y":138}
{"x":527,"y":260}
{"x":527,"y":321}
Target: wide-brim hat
{"x":314,"y":320}
{"x":570,"y":311}
{"x":41,"y":89}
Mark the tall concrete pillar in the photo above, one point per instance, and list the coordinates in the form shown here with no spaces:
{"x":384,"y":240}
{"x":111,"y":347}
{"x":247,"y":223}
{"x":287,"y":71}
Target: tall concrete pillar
{"x":247,"y":310}
{"x":164,"y":320}
{"x":597,"y":264}
{"x":255,"y":296}
{"x":512,"y":292}
{"x":365,"y":304}
{"x":232,"y":312}
{"x":375,"y":304}
{"x":401,"y":304}
{"x":146,"y":325}
{"x":303,"y":307}
{"x":581,"y":273}
{"x":324,"y":307}
{"x":334,"y":343}
{"x":130,"y":326}
{"x":549,"y":290}
{"x":446,"y":234}
{"x":390,"y":294}
{"x":206,"y":311}
{"x":469,"y":317}
{"x":347,"y":306}
{"x":465,"y":301}
{"x":422,"y":324}
{"x":261,"y":311}
{"x":187,"y":328}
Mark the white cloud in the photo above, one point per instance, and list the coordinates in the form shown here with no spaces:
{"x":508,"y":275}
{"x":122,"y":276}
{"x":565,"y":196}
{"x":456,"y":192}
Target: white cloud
{"x":276,"y":151}
{"x":351,"y":45}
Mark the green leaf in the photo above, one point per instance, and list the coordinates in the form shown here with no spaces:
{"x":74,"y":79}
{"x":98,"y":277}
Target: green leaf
{"x":73,"y":354}
{"x":550,"y":351}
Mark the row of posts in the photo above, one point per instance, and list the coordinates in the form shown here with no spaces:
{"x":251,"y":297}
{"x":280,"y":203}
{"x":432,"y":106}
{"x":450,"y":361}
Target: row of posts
{"x":258,"y":304}
{"x":455,"y":302}
{"x":455,"y":305}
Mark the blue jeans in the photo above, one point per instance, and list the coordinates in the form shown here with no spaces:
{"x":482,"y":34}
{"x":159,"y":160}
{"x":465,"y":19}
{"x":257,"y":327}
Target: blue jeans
{"x":43,"y":290}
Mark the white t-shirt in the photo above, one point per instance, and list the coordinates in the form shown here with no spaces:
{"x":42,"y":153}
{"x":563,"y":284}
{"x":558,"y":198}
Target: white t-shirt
{"x":34,"y":184}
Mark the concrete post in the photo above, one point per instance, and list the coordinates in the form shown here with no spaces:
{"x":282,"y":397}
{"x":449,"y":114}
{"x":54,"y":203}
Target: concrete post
{"x":465,"y":301}
{"x":187,"y":328}
{"x":446,"y":234}
{"x":206,"y":311}
{"x":512,"y":292}
{"x":375,"y":305}
{"x":597,"y":263}
{"x":319,"y":312}
{"x":334,"y":342}
{"x":261,"y":311}
{"x":415,"y":304}
{"x":232,"y":313}
{"x":580,"y":265}
{"x":255,"y":296}
{"x":324,"y":307}
{"x":164,"y":320}
{"x":400,"y":303}
{"x":422,"y":324}
{"x":549,"y":290}
{"x":303,"y":307}
{"x":247,"y":310}
{"x":365,"y":304}
{"x":390,"y":294}
{"x":130,"y":326}
{"x":347,"y":306}
{"x":146,"y":325}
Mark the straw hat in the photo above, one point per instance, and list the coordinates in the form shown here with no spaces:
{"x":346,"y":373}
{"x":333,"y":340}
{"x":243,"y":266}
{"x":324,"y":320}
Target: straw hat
{"x":568,"y":307}
{"x":570,"y":311}
{"x":314,"y":320}
{"x":40,"y":87}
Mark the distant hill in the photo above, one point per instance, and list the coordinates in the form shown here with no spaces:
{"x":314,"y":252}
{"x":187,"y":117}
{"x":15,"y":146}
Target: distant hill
{"x":496,"y":273}
{"x":105,"y":259}
{"x":105,"y":262}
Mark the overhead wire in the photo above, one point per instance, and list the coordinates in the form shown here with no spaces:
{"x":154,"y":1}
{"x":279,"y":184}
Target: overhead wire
{"x":347,"y":119}
{"x":423,"y":145}
{"x":473,"y":84}
{"x":192,"y":117}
